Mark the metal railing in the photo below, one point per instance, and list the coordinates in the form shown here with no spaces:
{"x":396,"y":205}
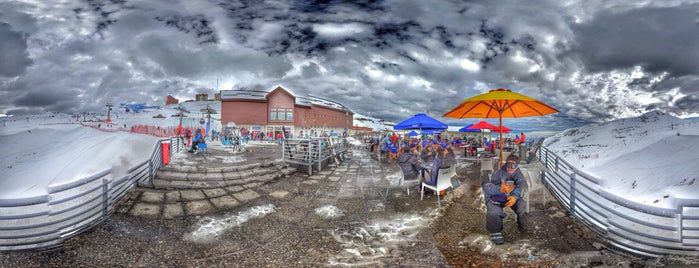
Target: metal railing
{"x":314,"y":151}
{"x":69,"y":209}
{"x":635,"y":227}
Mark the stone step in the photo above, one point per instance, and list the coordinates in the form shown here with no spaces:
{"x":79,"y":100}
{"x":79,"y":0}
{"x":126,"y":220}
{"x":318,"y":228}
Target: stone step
{"x":191,"y":167}
{"x":217,"y":174}
{"x":217,"y":180}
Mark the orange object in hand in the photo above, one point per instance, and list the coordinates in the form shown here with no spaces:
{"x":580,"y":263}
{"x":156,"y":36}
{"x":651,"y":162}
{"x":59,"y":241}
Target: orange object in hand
{"x":506,"y":189}
{"x":511,"y":200}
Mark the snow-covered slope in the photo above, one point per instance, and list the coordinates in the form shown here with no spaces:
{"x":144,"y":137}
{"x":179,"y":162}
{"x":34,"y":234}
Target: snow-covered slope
{"x":650,"y":159}
{"x":374,"y":123}
{"x":54,"y":148}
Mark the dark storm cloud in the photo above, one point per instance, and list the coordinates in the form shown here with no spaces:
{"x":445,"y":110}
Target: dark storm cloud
{"x":44,"y":98}
{"x":659,"y":39}
{"x":14,"y":58}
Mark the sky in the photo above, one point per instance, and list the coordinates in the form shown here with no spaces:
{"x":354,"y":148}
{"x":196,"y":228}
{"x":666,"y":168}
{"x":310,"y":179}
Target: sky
{"x":594,"y":61}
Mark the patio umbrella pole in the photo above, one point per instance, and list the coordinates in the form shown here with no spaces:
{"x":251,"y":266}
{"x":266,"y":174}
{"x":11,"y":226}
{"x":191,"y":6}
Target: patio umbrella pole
{"x":500,"y":140}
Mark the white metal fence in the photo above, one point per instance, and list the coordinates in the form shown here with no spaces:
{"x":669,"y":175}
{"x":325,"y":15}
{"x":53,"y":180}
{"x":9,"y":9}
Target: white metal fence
{"x":69,"y":209}
{"x":314,"y":151}
{"x":635,"y":227}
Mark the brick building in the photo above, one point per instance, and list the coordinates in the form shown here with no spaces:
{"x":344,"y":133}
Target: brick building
{"x":171,"y":100}
{"x":201,"y":97}
{"x":269,"y":111}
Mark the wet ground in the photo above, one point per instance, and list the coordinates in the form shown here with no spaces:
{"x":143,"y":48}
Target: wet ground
{"x":338,"y":217}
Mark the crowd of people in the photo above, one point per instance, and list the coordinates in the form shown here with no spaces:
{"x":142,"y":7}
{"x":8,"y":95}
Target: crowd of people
{"x":422,"y":157}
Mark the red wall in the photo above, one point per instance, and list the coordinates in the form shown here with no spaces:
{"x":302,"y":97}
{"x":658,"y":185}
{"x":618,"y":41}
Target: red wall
{"x":280,"y":98}
{"x":256,"y":112}
{"x":244,"y":112}
{"x":319,"y":116}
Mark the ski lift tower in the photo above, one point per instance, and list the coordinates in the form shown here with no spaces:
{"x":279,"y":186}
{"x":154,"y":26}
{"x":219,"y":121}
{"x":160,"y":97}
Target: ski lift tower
{"x":209,"y":111}
{"x":109,"y":111}
{"x":182,"y":111}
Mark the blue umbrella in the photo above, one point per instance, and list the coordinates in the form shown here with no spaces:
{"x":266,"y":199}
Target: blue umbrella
{"x":430,"y":131}
{"x":420,"y":121}
{"x":468,"y":129}
{"x":412,"y":133}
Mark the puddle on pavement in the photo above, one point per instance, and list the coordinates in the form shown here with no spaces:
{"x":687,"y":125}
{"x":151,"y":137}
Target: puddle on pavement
{"x":368,"y":244}
{"x":208,"y":228}
{"x":329,"y":212}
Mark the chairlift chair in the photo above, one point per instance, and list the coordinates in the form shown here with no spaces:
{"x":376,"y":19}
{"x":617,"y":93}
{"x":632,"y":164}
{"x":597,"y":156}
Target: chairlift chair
{"x":202,"y":148}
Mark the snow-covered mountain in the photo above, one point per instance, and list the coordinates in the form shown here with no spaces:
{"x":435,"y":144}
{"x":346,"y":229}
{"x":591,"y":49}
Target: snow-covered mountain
{"x":55,"y":148}
{"x":374,"y":123}
{"x":650,"y":159}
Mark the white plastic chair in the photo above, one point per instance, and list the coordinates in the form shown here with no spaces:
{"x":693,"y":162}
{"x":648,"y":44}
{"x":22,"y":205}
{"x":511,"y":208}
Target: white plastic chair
{"x":533,"y":185}
{"x":486,"y":165}
{"x":443,"y":183}
{"x":505,"y":155}
{"x":407,"y":183}
{"x":479,"y":152}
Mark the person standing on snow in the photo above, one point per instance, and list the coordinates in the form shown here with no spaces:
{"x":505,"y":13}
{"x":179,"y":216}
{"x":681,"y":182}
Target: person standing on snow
{"x":504,"y":190}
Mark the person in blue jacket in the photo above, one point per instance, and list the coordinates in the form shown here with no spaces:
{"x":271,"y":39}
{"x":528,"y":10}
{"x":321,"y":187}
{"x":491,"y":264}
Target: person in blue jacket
{"x":197,"y":139}
{"x":504,"y":190}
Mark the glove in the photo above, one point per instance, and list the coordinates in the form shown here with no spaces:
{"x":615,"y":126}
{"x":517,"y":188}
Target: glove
{"x":511,"y":200}
{"x":506,"y":189}
{"x":499,"y":198}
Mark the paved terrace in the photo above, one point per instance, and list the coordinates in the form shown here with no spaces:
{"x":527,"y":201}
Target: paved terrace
{"x":332,"y":215}
{"x":239,"y":209}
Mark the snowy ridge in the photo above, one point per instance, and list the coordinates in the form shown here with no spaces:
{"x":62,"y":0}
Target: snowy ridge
{"x":371,"y":122}
{"x":649,"y":159}
{"x":55,"y":148}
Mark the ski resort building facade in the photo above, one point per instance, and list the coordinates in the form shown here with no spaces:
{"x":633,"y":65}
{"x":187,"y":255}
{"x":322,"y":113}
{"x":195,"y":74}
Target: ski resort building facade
{"x":272,"y":111}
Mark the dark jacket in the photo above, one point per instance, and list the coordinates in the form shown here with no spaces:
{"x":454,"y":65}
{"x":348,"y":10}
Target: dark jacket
{"x":424,"y":155}
{"x":409,"y":164}
{"x":493,"y":186}
{"x":436,"y":166}
{"x":448,"y":161}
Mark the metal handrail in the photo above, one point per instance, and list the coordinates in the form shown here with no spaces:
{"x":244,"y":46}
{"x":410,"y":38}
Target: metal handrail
{"x":71,"y":208}
{"x":314,"y":151}
{"x":635,"y":227}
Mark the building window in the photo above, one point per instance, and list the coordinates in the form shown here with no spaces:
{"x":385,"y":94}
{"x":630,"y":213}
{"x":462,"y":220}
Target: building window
{"x":281,"y":114}
{"x":289,"y":114}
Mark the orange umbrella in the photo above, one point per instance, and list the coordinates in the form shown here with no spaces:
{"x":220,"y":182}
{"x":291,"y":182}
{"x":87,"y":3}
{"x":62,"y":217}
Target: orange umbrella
{"x":499,"y":103}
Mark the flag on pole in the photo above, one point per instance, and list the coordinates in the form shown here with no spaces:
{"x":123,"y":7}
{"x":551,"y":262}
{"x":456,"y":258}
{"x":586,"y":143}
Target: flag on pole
{"x":208,"y":127}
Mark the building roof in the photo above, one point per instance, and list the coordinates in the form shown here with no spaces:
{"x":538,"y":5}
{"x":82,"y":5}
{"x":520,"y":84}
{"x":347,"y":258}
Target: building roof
{"x":258,"y":95}
{"x":244,"y":94}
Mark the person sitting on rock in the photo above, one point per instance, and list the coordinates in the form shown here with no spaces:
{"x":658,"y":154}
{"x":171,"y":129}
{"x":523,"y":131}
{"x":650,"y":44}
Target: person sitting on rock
{"x":504,"y":190}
